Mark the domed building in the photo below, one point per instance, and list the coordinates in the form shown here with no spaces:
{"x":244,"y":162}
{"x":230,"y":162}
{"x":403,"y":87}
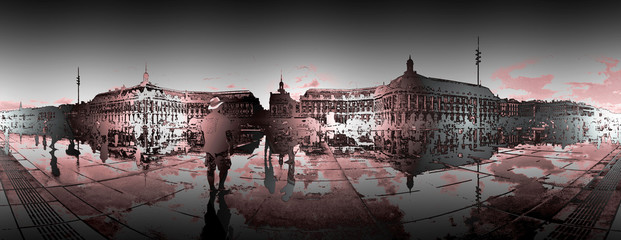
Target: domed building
{"x":413,"y":96}
{"x":281,"y":103}
{"x":158,"y":112}
{"x":408,"y":98}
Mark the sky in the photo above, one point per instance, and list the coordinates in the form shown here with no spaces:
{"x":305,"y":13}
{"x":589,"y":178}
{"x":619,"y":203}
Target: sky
{"x":530,"y":49}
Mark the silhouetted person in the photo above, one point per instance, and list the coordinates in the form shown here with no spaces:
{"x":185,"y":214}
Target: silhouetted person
{"x":44,"y":142}
{"x":409,"y":181}
{"x":280,"y":160}
{"x":288,"y":189}
{"x":103,"y":129}
{"x":71,"y":151}
{"x":270,"y":180}
{"x":291,"y":155}
{"x":92,"y":142}
{"x":54,"y":164}
{"x":218,"y":136}
{"x":217,"y":224}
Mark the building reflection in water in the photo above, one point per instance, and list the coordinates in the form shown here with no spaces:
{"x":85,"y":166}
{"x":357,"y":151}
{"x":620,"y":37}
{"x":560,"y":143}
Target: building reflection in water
{"x":414,"y":125}
{"x":411,"y":150}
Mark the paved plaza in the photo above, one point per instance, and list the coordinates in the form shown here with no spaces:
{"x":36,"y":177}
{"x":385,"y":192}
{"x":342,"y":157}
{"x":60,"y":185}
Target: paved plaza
{"x":529,"y":191}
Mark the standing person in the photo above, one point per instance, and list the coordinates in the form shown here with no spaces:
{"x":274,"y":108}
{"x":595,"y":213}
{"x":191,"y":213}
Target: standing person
{"x":218,"y":136}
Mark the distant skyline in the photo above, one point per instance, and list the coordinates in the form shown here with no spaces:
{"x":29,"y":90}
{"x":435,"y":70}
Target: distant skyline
{"x":530,"y":49}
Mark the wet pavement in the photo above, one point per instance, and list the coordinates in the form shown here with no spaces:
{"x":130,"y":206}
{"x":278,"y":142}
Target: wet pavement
{"x":528,"y":191}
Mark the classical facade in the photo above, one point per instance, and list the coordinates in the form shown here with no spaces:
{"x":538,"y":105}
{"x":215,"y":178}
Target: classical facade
{"x":149,"y":104}
{"x":153,"y":113}
{"x":539,"y":108}
{"x":407,"y":98}
{"x":509,"y":107}
{"x":412,"y":95}
{"x":345,"y":104}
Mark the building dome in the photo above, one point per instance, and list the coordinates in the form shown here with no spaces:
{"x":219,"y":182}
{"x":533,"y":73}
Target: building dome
{"x":410,"y":65}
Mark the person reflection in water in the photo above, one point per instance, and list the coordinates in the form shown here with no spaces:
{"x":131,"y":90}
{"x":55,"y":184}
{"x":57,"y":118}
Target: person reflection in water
{"x":270,"y":180}
{"x":54,"y":164}
{"x":218,"y":137}
{"x":288,"y":189}
{"x":103,"y":130}
{"x":409,"y":181}
{"x":217,"y":224}
{"x":44,"y":142}
{"x":71,"y":151}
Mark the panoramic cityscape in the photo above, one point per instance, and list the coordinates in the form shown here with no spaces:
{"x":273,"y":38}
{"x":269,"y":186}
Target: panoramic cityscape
{"x":310,"y":120}
{"x":418,"y":157}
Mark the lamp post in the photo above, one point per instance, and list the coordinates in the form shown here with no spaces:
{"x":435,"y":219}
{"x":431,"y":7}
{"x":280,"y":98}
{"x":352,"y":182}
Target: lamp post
{"x":478,"y":60}
{"x":78,"y":82}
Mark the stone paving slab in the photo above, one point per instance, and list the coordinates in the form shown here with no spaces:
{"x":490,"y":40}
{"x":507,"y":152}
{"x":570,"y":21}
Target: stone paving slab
{"x":35,"y":212}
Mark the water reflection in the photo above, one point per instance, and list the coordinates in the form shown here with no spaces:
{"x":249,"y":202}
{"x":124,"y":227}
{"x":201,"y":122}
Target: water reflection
{"x":288,"y":189}
{"x":428,"y":176}
{"x":44,"y":142}
{"x":72,"y":151}
{"x":54,"y":164}
{"x":217,"y":223}
{"x":270,"y":179}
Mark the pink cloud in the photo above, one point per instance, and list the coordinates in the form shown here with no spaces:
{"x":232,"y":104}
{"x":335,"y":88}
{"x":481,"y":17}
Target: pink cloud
{"x":9,"y":105}
{"x":314,"y":83}
{"x":534,"y":86}
{"x":286,"y":86}
{"x":606,"y":94}
{"x":213,"y":88}
{"x":300,"y":78}
{"x":64,"y":100}
{"x":38,"y":101}
{"x":231,"y":86}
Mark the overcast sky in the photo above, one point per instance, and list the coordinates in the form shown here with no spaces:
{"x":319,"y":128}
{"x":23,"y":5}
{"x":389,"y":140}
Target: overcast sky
{"x":531,"y":50}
